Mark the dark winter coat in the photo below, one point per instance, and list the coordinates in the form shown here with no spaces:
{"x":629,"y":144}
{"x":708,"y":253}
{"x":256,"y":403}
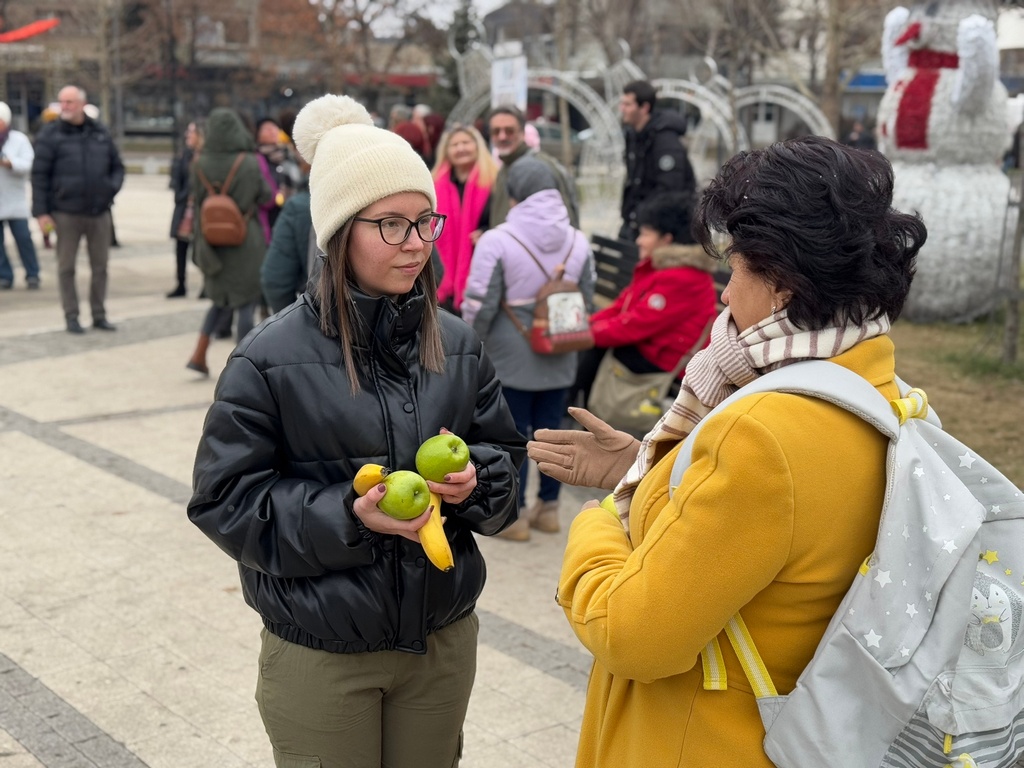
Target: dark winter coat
{"x":283,"y":441}
{"x":181,"y":183}
{"x":285,"y":269}
{"x":232,"y":272}
{"x":656,"y":163}
{"x":77,"y":169}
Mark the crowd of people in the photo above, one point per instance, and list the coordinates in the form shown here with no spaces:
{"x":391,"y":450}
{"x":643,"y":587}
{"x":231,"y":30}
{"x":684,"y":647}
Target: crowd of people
{"x":383,"y":281}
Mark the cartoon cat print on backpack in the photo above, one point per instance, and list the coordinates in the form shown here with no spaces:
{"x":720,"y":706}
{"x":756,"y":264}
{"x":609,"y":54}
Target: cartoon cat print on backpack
{"x":995,"y":612}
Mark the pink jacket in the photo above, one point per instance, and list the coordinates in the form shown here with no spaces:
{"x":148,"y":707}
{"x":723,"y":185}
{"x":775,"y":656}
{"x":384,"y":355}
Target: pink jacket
{"x":454,"y":246}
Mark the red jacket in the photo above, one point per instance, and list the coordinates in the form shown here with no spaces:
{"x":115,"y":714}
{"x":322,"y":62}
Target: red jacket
{"x":664,"y":308}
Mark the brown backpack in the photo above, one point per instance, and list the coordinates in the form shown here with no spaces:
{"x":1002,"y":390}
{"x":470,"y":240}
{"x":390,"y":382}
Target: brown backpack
{"x":560,"y":320}
{"x":220,"y":221}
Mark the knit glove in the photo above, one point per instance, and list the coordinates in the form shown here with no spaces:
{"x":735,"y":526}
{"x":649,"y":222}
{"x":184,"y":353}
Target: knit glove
{"x":597,"y":458}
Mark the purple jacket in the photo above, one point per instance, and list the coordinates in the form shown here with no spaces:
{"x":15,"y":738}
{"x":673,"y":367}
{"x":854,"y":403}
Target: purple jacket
{"x":502,"y":269}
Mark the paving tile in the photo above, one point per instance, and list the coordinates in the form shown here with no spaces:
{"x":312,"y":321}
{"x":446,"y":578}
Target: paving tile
{"x":59,"y":716}
{"x":104,"y":753}
{"x":151,"y":440}
{"x":241,"y":732}
{"x":116,"y":383}
{"x":184,"y":746}
{"x":554,"y":746}
{"x":13,"y":754}
{"x":132,"y":717}
{"x":87,"y":684}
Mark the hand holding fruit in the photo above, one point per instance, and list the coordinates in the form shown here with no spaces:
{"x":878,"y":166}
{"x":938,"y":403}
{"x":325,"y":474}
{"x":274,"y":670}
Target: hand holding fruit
{"x":403,"y":494}
{"x":443,"y":460}
{"x":370,"y":514}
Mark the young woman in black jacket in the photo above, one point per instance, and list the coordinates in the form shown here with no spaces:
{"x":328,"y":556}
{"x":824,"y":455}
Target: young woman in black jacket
{"x":368,"y":651}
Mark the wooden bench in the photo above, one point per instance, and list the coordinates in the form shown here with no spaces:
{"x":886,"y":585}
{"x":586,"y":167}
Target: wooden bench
{"x":614,"y":261}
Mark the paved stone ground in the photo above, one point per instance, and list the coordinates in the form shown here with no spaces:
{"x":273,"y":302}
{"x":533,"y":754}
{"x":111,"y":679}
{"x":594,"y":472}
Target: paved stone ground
{"x":124,"y":641}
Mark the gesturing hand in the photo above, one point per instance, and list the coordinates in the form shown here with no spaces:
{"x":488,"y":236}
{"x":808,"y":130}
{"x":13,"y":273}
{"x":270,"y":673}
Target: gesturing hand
{"x":597,"y":458}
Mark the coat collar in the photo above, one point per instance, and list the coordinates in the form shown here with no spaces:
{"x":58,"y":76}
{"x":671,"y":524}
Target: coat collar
{"x":682,"y":255}
{"x":386,"y":320}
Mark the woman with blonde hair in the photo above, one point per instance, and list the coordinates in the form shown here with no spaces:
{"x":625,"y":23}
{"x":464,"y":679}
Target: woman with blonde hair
{"x":463,"y":177}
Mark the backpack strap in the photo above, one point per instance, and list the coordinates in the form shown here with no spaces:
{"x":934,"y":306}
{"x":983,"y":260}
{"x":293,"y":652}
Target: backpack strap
{"x":231,"y":174}
{"x":559,"y":272}
{"x":223,"y":187}
{"x":210,"y":190}
{"x":813,"y":378}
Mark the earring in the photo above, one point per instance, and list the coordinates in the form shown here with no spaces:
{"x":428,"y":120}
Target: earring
{"x":773,"y":309}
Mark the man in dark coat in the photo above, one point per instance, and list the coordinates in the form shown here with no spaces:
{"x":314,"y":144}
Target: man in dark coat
{"x":656,"y":160}
{"x":75,"y":175}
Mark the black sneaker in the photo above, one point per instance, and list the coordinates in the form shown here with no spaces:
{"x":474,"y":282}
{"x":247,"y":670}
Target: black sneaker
{"x":103,"y":325}
{"x":177,"y":292}
{"x":6,"y":285}
{"x":75,"y":327}
{"x":32,"y":283}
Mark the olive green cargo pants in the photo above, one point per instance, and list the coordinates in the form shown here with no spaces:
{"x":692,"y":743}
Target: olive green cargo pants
{"x":387,"y":709}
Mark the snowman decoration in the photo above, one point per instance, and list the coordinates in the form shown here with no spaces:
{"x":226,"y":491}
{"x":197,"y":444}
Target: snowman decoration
{"x":943,"y":123}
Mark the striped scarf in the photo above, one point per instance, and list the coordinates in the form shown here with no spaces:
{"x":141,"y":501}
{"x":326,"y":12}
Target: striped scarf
{"x":730,"y":361}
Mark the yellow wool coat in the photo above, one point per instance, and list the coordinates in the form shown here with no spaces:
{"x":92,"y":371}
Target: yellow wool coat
{"x":775,"y":514}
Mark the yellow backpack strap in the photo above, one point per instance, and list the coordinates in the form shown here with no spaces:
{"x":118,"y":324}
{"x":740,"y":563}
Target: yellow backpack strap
{"x":713,"y":663}
{"x":750,"y":659}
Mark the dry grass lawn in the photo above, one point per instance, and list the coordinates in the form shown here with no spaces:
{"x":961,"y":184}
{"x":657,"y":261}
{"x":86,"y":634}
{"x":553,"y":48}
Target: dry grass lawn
{"x":979,"y":401}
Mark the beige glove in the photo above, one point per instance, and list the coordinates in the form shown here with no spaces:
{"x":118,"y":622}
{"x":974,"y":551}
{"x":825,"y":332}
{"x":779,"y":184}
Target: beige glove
{"x":597,"y":458}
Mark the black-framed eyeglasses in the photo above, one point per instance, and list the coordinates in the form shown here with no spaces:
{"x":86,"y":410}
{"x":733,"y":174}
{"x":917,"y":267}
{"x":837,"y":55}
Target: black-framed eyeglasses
{"x":395,"y":230}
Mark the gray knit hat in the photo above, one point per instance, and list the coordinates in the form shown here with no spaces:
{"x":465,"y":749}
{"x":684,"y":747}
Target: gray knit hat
{"x":528,"y":176}
{"x":353,"y":163}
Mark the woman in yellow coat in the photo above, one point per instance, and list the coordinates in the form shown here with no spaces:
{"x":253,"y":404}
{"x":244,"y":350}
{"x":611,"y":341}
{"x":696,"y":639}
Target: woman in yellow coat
{"x":781,"y":502}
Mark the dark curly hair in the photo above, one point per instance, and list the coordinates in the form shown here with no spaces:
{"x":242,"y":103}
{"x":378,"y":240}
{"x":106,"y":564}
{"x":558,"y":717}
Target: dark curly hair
{"x":670,"y":213}
{"x":815,"y":218}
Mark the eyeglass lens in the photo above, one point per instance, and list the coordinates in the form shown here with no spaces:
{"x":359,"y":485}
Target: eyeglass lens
{"x":396,"y":231}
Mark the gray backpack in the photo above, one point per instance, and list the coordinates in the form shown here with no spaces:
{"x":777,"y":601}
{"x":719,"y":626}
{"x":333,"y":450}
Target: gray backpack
{"x":922,"y":666}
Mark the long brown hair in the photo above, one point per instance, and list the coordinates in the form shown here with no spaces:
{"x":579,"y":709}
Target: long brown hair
{"x":333,"y":291}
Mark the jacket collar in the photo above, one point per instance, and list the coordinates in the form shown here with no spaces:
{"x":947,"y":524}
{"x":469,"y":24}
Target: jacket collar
{"x":515,"y":154}
{"x":682,"y":255}
{"x":386,"y":320}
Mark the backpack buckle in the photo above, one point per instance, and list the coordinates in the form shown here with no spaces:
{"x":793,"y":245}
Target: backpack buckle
{"x":913,"y":406}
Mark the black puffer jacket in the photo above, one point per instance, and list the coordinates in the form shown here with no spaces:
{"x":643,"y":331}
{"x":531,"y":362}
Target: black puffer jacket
{"x":656,"y":163}
{"x":282,"y":442}
{"x":77,"y":169}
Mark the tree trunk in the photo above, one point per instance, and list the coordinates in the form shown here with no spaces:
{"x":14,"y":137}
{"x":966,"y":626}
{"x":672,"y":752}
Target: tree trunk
{"x":831,"y":87}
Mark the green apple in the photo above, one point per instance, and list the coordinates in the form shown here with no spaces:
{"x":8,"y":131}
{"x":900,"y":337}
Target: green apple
{"x":407,"y":495}
{"x":441,"y":455}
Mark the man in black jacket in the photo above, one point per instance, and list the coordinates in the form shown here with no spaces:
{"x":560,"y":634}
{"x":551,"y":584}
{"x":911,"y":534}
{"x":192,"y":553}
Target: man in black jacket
{"x":75,"y":175}
{"x":656,"y":160}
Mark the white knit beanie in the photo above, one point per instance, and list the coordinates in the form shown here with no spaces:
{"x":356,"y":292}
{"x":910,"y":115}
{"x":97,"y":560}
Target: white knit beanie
{"x":5,"y":113}
{"x":353,"y":163}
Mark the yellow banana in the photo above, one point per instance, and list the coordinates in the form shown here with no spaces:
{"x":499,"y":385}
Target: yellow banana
{"x":368,"y":476}
{"x":433,"y":540}
{"x":608,"y":503}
